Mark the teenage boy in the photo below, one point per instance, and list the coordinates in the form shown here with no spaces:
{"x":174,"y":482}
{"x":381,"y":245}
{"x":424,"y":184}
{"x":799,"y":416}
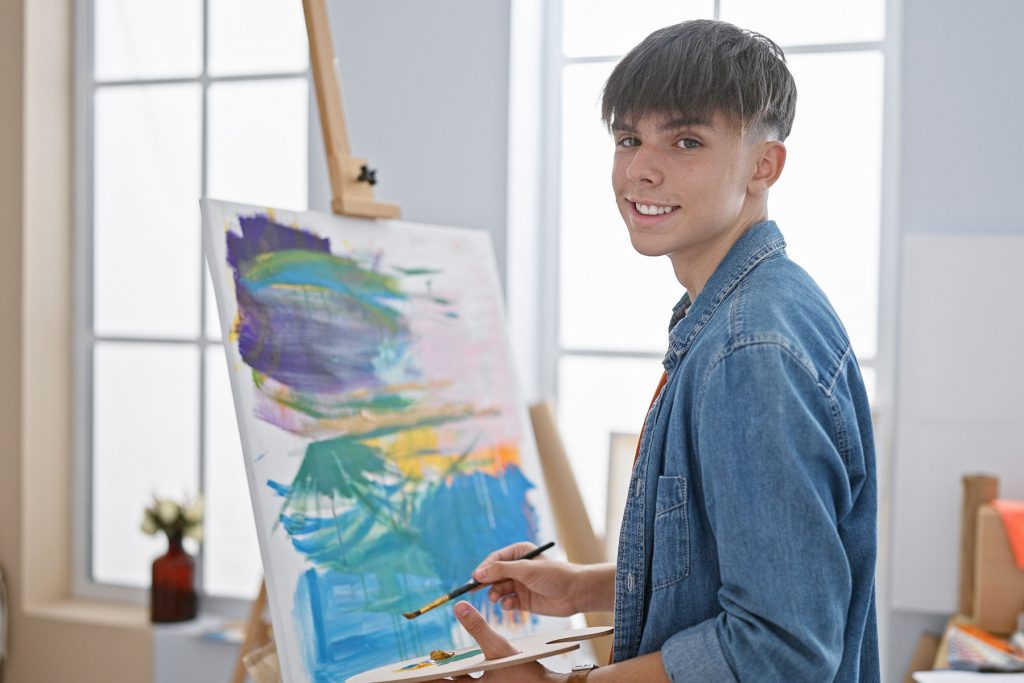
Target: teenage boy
{"x":747,"y":550}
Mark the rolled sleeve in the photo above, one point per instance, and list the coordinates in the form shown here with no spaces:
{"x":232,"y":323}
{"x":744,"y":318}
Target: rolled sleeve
{"x":696,"y":655}
{"x":775,"y":487}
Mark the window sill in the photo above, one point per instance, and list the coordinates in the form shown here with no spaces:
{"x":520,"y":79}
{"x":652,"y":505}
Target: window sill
{"x":93,"y":612}
{"x":210,"y":627}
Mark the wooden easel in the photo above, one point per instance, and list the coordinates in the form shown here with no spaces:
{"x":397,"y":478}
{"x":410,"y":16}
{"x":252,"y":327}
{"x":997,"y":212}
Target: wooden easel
{"x":352,"y":182}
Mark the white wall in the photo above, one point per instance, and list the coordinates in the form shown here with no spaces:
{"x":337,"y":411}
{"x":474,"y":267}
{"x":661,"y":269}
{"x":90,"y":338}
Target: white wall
{"x":425,"y":89}
{"x":961,"y":138}
{"x":962,"y":110}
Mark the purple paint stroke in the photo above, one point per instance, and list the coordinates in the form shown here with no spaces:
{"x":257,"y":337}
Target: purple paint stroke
{"x":320,"y":323}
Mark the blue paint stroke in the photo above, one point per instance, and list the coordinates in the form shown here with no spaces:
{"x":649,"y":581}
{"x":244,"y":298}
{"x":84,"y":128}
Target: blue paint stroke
{"x":350,"y":615}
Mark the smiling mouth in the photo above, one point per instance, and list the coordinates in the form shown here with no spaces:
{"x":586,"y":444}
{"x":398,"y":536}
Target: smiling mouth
{"x":652,"y":209}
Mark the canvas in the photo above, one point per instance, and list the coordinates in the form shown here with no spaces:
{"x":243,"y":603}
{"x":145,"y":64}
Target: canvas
{"x":386,"y":448}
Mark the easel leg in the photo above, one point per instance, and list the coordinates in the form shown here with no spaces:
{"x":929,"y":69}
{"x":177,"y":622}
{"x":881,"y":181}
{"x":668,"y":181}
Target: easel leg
{"x":255,"y":633}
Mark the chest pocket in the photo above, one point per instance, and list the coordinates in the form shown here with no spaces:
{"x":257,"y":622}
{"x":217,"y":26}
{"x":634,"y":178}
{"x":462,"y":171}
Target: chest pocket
{"x":671,"y":557}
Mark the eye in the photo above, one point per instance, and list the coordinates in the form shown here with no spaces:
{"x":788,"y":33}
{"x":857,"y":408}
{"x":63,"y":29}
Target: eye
{"x":688,"y":143}
{"x":627,"y":141}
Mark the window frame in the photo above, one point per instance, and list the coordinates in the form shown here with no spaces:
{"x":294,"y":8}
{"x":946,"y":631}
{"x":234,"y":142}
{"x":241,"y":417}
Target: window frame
{"x":84,"y":337}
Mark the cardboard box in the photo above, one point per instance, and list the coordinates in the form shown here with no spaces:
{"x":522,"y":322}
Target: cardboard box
{"x":998,"y":583}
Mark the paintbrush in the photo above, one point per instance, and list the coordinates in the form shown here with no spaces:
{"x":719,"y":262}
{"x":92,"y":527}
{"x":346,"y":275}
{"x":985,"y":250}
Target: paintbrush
{"x":466,"y":587}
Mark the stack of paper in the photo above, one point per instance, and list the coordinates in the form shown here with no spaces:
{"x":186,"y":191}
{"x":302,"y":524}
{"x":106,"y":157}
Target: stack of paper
{"x":966,"y":677}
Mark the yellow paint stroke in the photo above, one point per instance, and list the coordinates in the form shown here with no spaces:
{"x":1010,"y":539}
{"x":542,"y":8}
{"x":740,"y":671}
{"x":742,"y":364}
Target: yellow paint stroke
{"x":366,"y":421}
{"x":416,"y":453}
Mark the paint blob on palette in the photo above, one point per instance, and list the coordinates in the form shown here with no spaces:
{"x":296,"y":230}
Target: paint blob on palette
{"x":385,"y":443}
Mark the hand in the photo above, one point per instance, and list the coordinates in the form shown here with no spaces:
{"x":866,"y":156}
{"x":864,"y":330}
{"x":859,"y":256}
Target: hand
{"x":540,"y":585}
{"x":494,"y":646}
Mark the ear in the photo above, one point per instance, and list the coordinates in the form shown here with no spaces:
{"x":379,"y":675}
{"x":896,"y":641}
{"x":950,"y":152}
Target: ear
{"x":770,"y":159}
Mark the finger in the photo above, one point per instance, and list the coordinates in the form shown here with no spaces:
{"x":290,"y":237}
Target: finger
{"x":509,"y":552}
{"x":511,"y":602}
{"x":522,"y":571}
{"x":501,"y":588}
{"x":491,"y":643}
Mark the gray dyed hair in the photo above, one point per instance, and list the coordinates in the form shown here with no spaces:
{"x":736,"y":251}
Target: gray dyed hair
{"x":697,"y":68}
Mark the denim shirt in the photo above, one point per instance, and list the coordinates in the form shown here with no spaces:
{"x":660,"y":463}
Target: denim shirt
{"x":747,"y":550}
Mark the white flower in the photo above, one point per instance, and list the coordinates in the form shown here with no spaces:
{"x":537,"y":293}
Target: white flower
{"x":148,"y":523}
{"x":167,"y":511}
{"x":193,"y":512}
{"x":195,"y":532}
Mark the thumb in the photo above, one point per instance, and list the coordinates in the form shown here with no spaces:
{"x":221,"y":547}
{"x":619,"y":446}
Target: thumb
{"x":491,"y":643}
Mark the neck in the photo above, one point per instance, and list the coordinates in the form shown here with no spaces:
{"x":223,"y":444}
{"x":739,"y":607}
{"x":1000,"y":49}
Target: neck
{"x":694,"y":267}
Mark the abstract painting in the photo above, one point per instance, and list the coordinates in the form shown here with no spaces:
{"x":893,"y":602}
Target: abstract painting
{"x":385,"y":444}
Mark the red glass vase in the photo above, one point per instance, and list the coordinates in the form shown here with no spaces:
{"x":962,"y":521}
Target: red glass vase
{"x":172,"y":596}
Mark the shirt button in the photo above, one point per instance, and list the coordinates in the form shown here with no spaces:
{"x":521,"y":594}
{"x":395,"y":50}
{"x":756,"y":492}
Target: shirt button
{"x":629,"y":582}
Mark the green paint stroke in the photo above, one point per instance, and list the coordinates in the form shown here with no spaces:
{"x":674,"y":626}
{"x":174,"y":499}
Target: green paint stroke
{"x":342,"y":275}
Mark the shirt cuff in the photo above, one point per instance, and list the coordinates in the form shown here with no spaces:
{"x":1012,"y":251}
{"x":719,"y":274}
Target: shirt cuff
{"x":696,"y":655}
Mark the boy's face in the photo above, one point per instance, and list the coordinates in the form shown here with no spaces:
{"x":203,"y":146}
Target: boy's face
{"x":684,"y":187}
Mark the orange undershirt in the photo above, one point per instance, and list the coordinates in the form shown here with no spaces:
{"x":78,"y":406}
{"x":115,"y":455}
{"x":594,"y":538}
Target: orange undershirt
{"x":661,"y":384}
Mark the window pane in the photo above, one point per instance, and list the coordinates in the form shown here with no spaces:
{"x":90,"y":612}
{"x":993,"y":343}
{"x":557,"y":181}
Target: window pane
{"x":598,"y":396}
{"x":809,"y":22}
{"x":257,"y":36}
{"x":613,"y":27}
{"x":212,"y":315}
{"x":258,"y":142}
{"x":870,"y":376}
{"x":146,"y":212}
{"x":827,"y":202}
{"x":137,"y":39}
{"x":602,"y":277}
{"x":232,"y":557}
{"x":145,"y":438}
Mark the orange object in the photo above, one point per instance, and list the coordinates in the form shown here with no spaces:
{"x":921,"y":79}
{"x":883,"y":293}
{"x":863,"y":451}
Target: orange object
{"x":986,"y":637}
{"x":661,"y":384}
{"x":1012,"y":512}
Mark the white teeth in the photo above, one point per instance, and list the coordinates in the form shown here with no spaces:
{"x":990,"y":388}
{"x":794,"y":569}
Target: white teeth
{"x":652,"y":210}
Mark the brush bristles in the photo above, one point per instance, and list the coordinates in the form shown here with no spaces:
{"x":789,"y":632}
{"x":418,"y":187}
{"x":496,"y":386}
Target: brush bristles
{"x":426,"y":608}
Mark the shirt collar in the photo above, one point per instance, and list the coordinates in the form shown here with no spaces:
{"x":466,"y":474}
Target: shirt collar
{"x":759,"y":242}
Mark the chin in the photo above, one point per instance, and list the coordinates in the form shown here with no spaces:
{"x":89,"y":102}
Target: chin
{"x":644,"y":247}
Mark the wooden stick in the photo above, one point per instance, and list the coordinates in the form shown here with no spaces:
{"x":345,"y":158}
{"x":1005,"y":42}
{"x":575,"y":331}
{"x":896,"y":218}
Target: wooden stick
{"x":575,"y":531}
{"x":255,"y":633}
{"x":978,"y":490}
{"x":349,"y":195}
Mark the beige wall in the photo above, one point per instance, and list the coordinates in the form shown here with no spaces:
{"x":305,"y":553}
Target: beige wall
{"x":52,"y":637}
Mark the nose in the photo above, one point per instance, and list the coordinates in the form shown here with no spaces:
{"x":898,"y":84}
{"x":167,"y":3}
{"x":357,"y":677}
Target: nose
{"x":644,"y":168}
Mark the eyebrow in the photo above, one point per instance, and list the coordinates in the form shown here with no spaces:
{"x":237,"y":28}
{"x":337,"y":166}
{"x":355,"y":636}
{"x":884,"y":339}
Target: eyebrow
{"x":673,"y":124}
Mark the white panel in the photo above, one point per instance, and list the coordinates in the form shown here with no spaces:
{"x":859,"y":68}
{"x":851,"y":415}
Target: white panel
{"x":613,"y":27}
{"x":148,"y":39}
{"x":232,"y":556}
{"x":145,"y":441}
{"x":259,"y":145}
{"x":146,"y":239}
{"x":960,"y":408}
{"x":809,"y":22}
{"x":256,"y":36}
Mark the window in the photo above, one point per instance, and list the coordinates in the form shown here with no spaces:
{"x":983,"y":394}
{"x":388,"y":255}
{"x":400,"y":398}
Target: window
{"x":176,"y":100}
{"x":827,"y":203}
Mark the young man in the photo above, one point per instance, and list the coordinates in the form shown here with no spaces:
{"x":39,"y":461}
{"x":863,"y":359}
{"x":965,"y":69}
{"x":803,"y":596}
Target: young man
{"x":747,"y":550}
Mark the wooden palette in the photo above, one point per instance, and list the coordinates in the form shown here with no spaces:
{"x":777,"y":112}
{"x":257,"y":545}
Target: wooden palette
{"x":531,"y":648}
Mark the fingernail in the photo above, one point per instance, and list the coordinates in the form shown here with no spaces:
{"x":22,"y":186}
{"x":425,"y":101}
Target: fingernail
{"x":481,"y":573}
{"x":462,"y":609}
